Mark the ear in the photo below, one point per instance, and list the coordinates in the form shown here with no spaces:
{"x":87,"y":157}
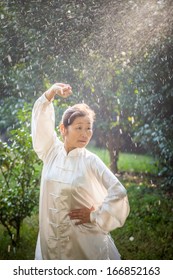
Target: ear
{"x":62,"y":129}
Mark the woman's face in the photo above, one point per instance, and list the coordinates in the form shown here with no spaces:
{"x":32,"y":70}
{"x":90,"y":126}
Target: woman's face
{"x":78,"y":134}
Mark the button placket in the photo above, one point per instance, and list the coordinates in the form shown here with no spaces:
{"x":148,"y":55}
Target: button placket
{"x":57,"y":215}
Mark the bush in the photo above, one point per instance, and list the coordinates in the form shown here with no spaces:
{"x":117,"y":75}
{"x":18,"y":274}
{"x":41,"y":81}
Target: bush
{"x":147,"y":233}
{"x":18,"y":177}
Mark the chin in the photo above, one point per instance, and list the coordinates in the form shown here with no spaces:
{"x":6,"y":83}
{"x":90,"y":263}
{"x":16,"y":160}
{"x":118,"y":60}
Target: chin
{"x":82,"y":145}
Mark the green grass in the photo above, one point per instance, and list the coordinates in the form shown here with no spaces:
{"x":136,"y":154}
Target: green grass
{"x":129,"y":162}
{"x":137,"y":163}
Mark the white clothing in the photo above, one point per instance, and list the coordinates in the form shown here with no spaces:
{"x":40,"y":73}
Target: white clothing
{"x":71,"y":181}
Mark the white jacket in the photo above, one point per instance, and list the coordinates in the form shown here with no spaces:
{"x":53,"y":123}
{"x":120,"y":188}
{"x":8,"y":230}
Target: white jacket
{"x":71,"y":181}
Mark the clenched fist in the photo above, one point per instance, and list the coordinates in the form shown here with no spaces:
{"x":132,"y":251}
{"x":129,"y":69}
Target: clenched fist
{"x":60,"y":89}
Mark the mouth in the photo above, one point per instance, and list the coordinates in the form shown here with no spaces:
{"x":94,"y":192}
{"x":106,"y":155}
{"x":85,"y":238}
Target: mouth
{"x":82,"y":141}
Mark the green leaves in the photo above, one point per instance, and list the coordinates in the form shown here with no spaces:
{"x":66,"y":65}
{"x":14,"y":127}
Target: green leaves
{"x":149,"y":222}
{"x":19,"y":178}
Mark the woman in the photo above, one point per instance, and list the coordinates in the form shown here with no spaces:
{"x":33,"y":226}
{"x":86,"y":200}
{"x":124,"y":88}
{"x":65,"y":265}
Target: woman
{"x":81,"y":200}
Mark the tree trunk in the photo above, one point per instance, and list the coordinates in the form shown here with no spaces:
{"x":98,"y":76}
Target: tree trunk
{"x":113,"y":145}
{"x":18,"y":232}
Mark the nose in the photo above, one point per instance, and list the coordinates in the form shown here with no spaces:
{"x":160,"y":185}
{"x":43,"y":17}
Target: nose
{"x":84,"y":133}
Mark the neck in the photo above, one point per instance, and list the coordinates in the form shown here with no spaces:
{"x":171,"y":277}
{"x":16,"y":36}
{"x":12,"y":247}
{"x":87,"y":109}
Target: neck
{"x":68,"y":149}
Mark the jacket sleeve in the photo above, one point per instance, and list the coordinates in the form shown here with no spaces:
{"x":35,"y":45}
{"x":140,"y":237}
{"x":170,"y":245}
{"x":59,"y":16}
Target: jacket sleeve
{"x":115,"y":208}
{"x":43,"y":127}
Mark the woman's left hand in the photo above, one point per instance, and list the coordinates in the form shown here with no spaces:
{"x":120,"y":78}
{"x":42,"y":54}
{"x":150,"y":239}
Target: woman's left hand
{"x":83,"y":215}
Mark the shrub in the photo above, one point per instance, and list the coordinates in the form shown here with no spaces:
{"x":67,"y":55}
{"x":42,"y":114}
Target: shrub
{"x":18,"y":177}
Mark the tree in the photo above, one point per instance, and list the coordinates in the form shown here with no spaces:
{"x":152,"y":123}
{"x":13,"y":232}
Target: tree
{"x":19,"y":177}
{"x":155,"y":86}
{"x":44,"y":41}
{"x":41,"y":42}
{"x":105,"y":84}
{"x":38,"y":39}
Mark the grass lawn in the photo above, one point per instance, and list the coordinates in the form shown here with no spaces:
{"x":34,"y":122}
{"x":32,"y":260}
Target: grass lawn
{"x":129,"y":162}
{"x":147,"y":233}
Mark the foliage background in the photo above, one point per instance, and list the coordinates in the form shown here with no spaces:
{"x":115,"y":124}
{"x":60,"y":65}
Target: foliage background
{"x":117,"y":55}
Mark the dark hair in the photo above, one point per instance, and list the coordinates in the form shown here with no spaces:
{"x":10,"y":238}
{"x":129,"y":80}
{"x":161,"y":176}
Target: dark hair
{"x":78,"y":110}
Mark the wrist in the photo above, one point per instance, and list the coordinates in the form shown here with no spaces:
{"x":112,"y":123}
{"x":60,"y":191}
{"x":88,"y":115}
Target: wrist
{"x":50,"y":94}
{"x":93,"y":217}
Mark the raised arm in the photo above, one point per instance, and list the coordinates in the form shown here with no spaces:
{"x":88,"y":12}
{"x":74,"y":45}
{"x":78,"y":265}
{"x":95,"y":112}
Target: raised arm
{"x":43,"y":119}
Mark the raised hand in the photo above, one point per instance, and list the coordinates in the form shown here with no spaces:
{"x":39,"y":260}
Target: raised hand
{"x":61,"y":89}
